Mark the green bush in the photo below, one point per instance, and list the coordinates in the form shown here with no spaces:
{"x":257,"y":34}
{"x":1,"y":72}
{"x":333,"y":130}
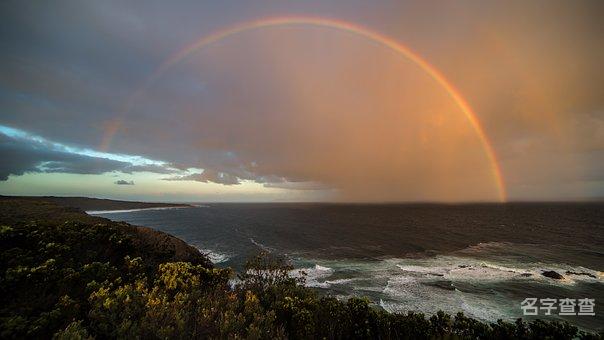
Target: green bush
{"x":79,"y":280}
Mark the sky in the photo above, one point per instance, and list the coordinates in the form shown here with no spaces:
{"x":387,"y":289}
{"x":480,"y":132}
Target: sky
{"x":351,"y":101}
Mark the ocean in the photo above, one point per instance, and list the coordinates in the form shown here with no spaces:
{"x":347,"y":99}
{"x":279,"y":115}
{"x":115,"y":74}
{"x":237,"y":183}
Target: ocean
{"x":480,"y":259}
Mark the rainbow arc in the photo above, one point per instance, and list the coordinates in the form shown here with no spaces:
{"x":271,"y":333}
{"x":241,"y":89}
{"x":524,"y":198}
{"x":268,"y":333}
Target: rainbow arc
{"x":359,"y":30}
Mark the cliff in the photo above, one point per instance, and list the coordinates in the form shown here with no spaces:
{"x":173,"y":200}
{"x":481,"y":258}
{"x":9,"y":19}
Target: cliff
{"x":157,"y":246}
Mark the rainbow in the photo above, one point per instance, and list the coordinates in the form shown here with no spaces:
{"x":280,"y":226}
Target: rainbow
{"x":359,"y":30}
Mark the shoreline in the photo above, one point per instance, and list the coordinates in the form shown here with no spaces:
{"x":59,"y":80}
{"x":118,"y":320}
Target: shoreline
{"x":157,"y":248}
{"x":118,"y":211}
{"x":96,"y":205}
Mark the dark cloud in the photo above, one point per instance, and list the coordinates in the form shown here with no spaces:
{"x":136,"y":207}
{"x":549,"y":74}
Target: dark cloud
{"x":30,"y":155}
{"x":269,"y":181}
{"x":208,"y":176}
{"x":124,"y":182}
{"x":157,"y":169}
{"x":21,"y":156}
{"x":293,"y":107}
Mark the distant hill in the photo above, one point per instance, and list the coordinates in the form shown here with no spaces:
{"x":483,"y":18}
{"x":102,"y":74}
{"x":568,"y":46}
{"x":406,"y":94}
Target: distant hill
{"x":88,"y":204}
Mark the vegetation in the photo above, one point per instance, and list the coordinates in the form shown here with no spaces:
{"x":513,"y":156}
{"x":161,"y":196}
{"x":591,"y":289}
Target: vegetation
{"x":86,"y":278}
{"x":87,"y":204}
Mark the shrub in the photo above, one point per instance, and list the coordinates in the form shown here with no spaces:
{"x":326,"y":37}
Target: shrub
{"x":79,"y":280}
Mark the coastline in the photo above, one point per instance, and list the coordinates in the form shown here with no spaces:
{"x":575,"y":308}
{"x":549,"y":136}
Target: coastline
{"x":96,"y":259}
{"x":155,"y":243}
{"x":440,"y":279}
{"x":86,"y":204}
{"x":118,"y":211}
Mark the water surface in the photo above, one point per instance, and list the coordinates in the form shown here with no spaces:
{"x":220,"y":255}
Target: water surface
{"x":482,"y":259}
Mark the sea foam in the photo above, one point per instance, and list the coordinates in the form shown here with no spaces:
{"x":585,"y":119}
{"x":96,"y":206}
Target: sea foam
{"x":214,"y":256}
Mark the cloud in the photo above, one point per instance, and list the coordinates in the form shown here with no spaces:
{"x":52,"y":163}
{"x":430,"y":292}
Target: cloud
{"x":305,"y":104}
{"x":208,"y":176}
{"x":153,"y":168}
{"x":19,"y":157}
{"x":124,"y":182}
{"x":270,"y":181}
{"x":23,"y":153}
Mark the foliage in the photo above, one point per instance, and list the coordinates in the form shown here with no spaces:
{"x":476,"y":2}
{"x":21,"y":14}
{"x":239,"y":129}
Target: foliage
{"x":84,"y":280}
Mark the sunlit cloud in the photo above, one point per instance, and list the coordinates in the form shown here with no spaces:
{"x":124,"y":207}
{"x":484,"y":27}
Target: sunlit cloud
{"x":25,"y":136}
{"x":24,"y":152}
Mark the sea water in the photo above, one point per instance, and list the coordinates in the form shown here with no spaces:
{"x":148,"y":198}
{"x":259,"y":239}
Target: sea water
{"x":480,"y":259}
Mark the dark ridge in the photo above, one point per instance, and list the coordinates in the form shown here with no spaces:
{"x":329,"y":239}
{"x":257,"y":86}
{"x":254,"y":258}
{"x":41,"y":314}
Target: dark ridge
{"x":88,"y":204}
{"x":157,"y":246}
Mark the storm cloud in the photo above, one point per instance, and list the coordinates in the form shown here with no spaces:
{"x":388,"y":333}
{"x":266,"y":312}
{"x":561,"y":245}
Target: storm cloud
{"x":304,"y":108}
{"x":20,"y":156}
{"x":31,"y":154}
{"x":208,"y":176}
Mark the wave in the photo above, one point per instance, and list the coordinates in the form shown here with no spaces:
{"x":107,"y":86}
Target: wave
{"x":472,"y":270}
{"x":214,"y":256}
{"x":450,"y":283}
{"x":482,"y":246}
{"x":313,"y":275}
{"x":340,"y":281}
{"x":404,"y":294}
{"x":101,"y":212}
{"x":437,"y":277}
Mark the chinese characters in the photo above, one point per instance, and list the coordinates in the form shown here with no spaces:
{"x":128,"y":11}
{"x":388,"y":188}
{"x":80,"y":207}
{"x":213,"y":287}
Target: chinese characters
{"x":550,"y":306}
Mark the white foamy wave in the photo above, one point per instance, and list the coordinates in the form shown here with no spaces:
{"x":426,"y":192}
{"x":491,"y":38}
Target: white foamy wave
{"x":459,"y":269}
{"x":340,"y":281}
{"x":483,"y":309}
{"x":482,"y":246}
{"x":314,"y":275}
{"x":401,"y":286}
{"x":101,"y":212}
{"x":443,"y":282}
{"x":427,"y":270}
{"x":214,"y":256}
{"x":407,"y":293}
{"x":385,"y":305}
{"x":327,"y":283}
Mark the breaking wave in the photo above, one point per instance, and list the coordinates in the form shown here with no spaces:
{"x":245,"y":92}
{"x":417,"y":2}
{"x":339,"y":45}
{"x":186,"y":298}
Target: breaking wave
{"x":214,"y":256}
{"x":313,"y":275}
{"x":443,"y":282}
